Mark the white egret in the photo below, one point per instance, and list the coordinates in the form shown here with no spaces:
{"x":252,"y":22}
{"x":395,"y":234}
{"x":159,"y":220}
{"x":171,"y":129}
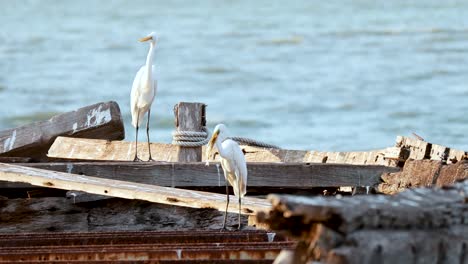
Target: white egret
{"x":143,"y":91}
{"x":233,"y":163}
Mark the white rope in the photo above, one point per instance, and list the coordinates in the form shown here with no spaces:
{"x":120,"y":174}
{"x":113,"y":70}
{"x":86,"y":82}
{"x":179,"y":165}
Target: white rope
{"x":190,"y":139}
{"x":194,"y":139}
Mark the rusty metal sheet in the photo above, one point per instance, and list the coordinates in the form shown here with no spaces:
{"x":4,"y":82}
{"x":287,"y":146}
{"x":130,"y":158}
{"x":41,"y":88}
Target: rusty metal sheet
{"x":144,"y":254}
{"x":146,"y":237}
{"x":170,"y":247}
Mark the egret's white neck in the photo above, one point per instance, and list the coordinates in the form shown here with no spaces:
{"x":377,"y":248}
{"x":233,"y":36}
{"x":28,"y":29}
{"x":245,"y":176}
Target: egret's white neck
{"x":149,"y":63}
{"x":219,"y":145}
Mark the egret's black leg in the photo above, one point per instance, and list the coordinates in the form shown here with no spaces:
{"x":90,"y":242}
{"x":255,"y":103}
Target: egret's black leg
{"x":147,"y":135}
{"x":136,"y":138}
{"x":239,"y":227}
{"x":227,"y":205}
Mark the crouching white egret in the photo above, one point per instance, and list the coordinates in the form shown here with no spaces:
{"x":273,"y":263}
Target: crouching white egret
{"x":233,"y":163}
{"x":143,"y":91}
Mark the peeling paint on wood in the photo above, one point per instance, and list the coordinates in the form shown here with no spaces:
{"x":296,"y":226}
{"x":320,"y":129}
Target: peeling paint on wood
{"x":98,"y":121}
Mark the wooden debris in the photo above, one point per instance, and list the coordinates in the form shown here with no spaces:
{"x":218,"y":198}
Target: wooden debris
{"x":127,"y":190}
{"x":281,"y":175}
{"x":101,"y":121}
{"x":363,"y":229}
{"x":421,"y":173}
{"x":189,"y":117}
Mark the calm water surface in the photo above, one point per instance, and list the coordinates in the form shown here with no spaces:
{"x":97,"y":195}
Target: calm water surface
{"x":326,"y":75}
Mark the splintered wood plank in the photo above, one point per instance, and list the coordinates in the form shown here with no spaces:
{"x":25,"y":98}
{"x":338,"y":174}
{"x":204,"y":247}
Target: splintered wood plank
{"x":127,"y":190}
{"x":101,"y":121}
{"x":455,"y":156}
{"x":275,"y":175}
{"x":418,"y":149}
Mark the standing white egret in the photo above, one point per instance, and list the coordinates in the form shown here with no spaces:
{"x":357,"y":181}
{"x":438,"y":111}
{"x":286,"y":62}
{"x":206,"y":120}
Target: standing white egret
{"x":143,"y":91}
{"x":233,"y":163}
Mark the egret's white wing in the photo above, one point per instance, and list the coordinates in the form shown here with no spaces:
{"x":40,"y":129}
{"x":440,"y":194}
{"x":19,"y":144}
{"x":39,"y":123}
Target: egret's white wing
{"x":236,"y":167}
{"x":155,"y":81}
{"x":135,"y":95}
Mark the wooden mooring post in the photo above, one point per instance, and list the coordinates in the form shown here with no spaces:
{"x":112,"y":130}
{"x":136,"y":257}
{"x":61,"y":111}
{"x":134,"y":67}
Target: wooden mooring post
{"x":189,"y":117}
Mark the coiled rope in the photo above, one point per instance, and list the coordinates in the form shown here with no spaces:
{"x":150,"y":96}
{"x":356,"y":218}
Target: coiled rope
{"x":194,"y":139}
{"x":191,"y":139}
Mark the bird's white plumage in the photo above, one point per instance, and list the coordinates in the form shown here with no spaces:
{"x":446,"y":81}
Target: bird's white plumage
{"x":233,"y":163}
{"x":234,"y":166}
{"x":232,"y":159}
{"x":143,"y":94}
{"x":144,"y":85}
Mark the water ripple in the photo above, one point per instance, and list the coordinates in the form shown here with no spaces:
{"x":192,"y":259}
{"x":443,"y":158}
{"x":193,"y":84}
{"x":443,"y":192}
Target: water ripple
{"x":293,"y":40}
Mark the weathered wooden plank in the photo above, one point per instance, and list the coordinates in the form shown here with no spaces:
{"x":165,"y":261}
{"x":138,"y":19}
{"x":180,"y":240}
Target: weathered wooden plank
{"x":415,"y":208}
{"x":189,"y":117}
{"x":101,"y":121}
{"x":257,"y":154}
{"x":103,"y":150}
{"x":67,"y":148}
{"x":127,"y":190}
{"x":282,"y":175}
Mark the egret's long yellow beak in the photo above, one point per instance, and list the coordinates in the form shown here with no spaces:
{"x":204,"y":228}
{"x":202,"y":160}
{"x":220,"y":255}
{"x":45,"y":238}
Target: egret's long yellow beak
{"x":213,"y":139}
{"x":145,"y":39}
{"x":209,"y":147}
